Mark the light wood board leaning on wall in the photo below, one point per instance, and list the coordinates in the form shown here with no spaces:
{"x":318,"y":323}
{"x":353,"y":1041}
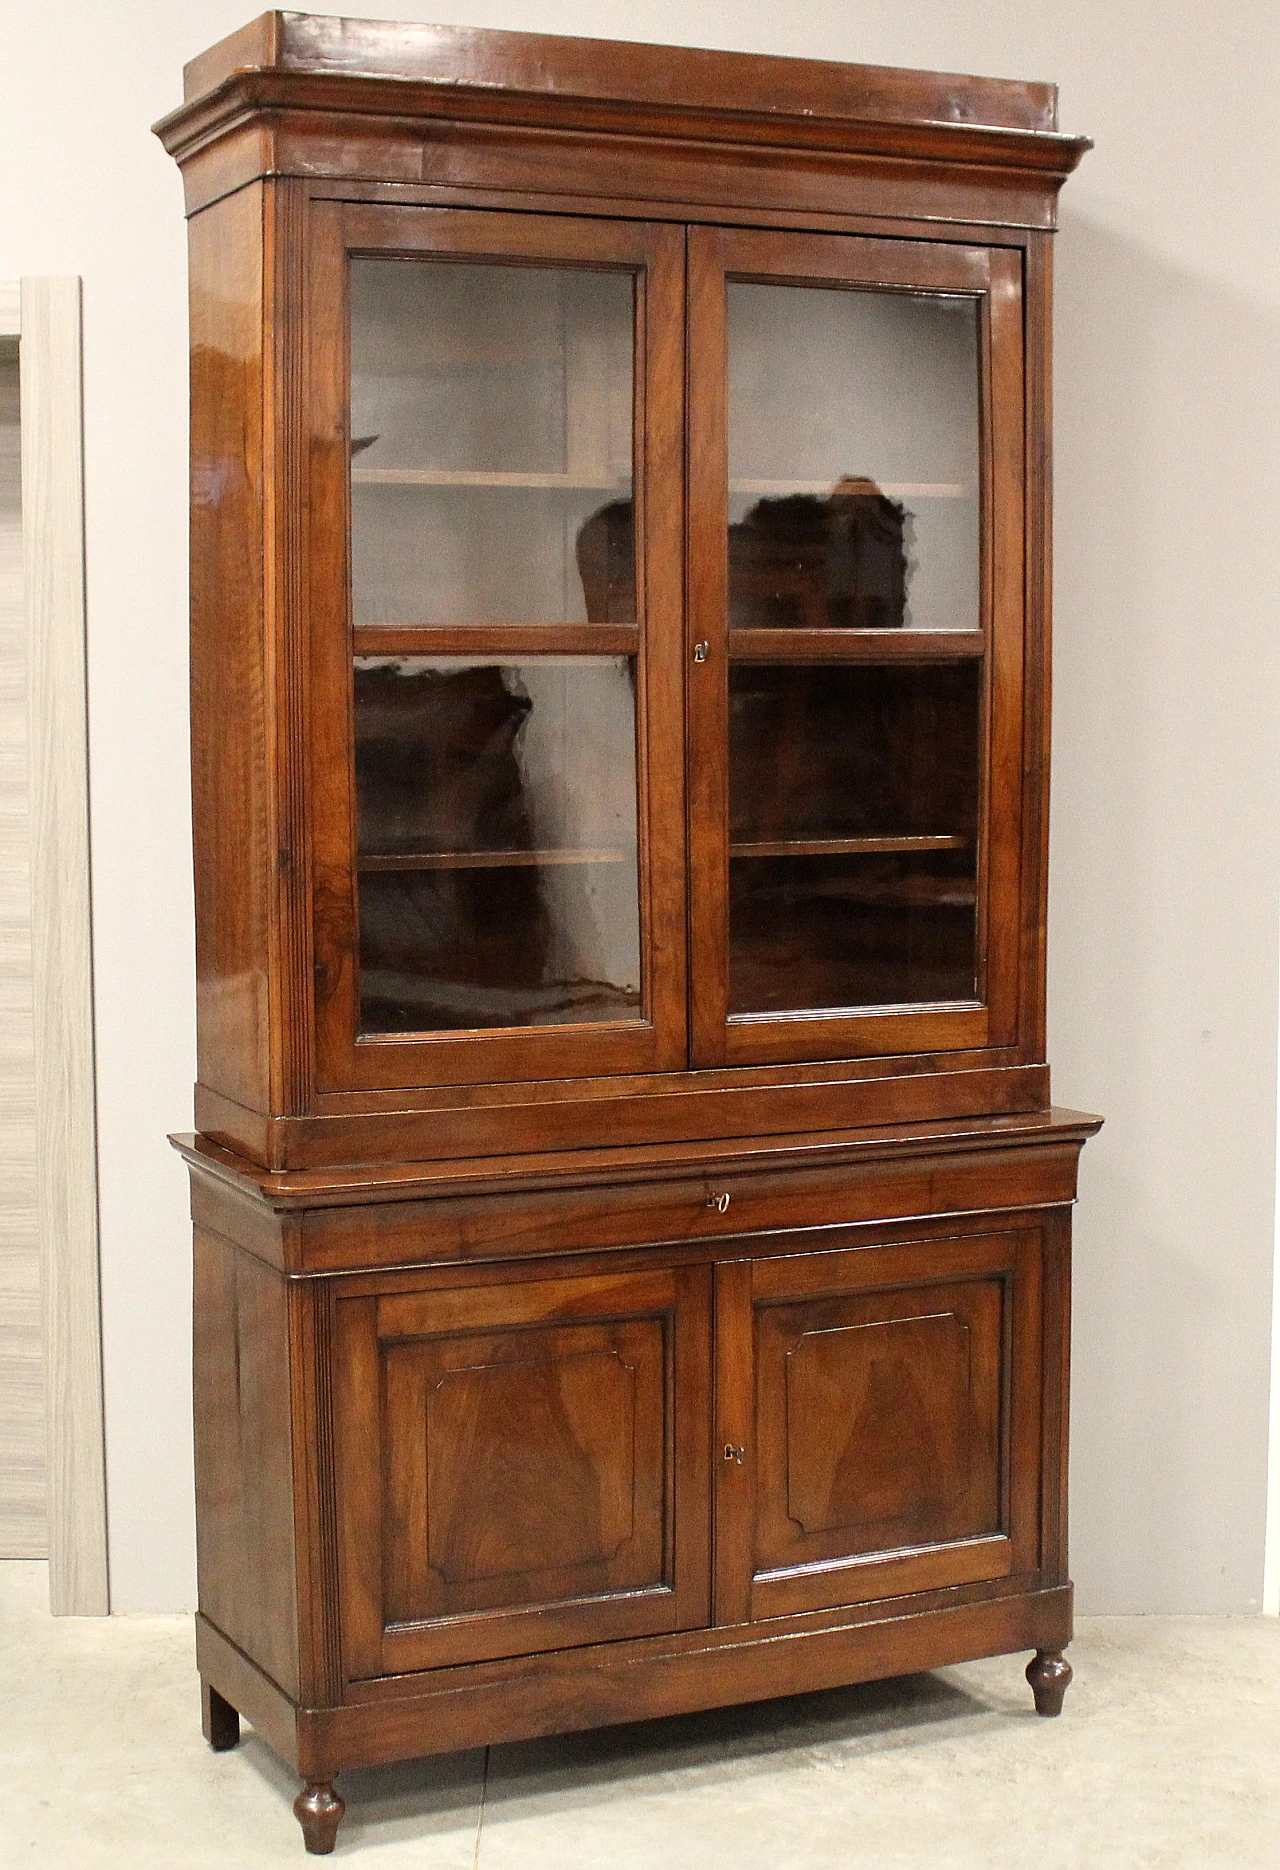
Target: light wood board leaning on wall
{"x":22,"y":1438}
{"x":48,"y":324}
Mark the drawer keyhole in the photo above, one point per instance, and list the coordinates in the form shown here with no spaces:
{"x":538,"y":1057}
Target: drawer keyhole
{"x":718,"y":1202}
{"x":733,"y":1454}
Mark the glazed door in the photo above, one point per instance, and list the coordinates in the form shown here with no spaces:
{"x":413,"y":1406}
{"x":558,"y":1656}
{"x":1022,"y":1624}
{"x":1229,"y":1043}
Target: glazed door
{"x":494,"y":505}
{"x":855,"y":646}
{"x":878,"y":1422}
{"x":521,"y":1467}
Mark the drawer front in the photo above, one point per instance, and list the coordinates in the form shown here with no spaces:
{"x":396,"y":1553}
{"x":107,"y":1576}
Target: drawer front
{"x":521,"y":1467}
{"x":502,"y":1226}
{"x":878,"y":1422}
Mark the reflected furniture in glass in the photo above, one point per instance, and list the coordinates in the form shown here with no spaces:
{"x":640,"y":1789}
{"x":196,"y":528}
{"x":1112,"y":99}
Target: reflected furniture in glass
{"x":631,"y":1226}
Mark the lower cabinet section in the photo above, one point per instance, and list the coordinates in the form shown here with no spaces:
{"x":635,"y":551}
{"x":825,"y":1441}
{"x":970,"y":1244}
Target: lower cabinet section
{"x":521,"y":1466}
{"x":537,"y":1463}
{"x":445,"y":1504}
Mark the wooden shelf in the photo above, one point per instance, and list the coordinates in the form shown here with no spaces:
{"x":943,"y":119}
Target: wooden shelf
{"x":492,"y":860}
{"x":855,"y":645}
{"x":480,"y":477}
{"x":896,"y":490}
{"x":612,"y":854}
{"x":597,"y":483}
{"x":846,"y":847}
{"x":487,"y":640}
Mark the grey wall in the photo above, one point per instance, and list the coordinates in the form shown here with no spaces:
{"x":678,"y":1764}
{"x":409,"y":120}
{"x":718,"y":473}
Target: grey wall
{"x":1164,"y":912}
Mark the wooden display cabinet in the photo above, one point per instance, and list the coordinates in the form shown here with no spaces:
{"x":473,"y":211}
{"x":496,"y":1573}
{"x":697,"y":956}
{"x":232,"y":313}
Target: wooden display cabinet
{"x":632,"y":1232}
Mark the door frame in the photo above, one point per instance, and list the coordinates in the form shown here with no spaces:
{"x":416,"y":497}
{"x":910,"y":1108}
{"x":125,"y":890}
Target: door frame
{"x":653,"y":252}
{"x":44,"y":314}
{"x":992,"y":277}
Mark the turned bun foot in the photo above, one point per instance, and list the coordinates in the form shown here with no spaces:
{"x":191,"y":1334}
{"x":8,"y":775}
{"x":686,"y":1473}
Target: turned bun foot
{"x":318,"y":1809}
{"x":219,"y":1720}
{"x":1049,"y":1674}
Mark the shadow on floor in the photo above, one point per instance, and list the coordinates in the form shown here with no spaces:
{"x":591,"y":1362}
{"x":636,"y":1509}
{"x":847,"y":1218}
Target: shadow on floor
{"x":425,"y":1797}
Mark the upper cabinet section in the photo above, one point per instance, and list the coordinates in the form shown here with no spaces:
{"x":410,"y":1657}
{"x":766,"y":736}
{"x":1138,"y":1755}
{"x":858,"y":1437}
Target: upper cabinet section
{"x":619,"y":590}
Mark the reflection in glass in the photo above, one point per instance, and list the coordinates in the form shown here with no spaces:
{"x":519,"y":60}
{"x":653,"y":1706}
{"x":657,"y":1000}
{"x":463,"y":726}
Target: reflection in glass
{"x":804,"y":563}
{"x":853,"y":834}
{"x":853,"y":459}
{"x":496,"y":842}
{"x":491,"y":418}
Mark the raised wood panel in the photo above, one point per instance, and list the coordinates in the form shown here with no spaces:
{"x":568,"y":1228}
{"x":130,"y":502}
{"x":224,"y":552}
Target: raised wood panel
{"x":516,"y":1487}
{"x":576,"y":1510}
{"x":886,"y":1405}
{"x":882,"y":1431}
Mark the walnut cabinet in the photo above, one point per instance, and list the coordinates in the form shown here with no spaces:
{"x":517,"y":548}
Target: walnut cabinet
{"x":631,"y":1226}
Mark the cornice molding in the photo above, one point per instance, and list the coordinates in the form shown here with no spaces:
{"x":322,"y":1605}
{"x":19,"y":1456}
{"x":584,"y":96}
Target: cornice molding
{"x":378,"y":73}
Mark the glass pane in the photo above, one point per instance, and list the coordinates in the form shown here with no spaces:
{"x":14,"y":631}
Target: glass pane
{"x":853,"y":833}
{"x":853,"y":459}
{"x":491,"y":416}
{"x":496,"y":842}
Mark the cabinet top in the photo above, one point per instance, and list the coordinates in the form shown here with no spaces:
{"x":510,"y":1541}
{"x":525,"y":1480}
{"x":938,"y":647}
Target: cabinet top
{"x":384,"y":67}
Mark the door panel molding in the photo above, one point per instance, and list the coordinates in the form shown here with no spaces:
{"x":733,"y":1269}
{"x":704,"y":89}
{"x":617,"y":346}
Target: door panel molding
{"x":521,"y":1467}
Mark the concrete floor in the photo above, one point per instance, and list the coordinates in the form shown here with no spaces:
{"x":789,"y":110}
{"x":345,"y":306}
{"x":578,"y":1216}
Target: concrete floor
{"x":1165,"y":1755}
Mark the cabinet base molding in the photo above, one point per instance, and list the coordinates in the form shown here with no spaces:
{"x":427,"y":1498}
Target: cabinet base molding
{"x":591,"y":1688}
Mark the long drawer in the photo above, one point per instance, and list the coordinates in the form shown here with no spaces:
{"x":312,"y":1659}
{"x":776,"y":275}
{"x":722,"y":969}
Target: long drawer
{"x":449,"y":1229}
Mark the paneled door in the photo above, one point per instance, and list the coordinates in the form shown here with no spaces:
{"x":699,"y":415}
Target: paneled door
{"x":494,"y":509}
{"x":521,"y":1466}
{"x":878,"y":1425}
{"x":856,"y":501}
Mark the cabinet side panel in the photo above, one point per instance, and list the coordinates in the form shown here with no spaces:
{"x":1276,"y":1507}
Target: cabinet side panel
{"x":229,"y":781}
{"x":244,"y":1468}
{"x":1038,"y":697}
